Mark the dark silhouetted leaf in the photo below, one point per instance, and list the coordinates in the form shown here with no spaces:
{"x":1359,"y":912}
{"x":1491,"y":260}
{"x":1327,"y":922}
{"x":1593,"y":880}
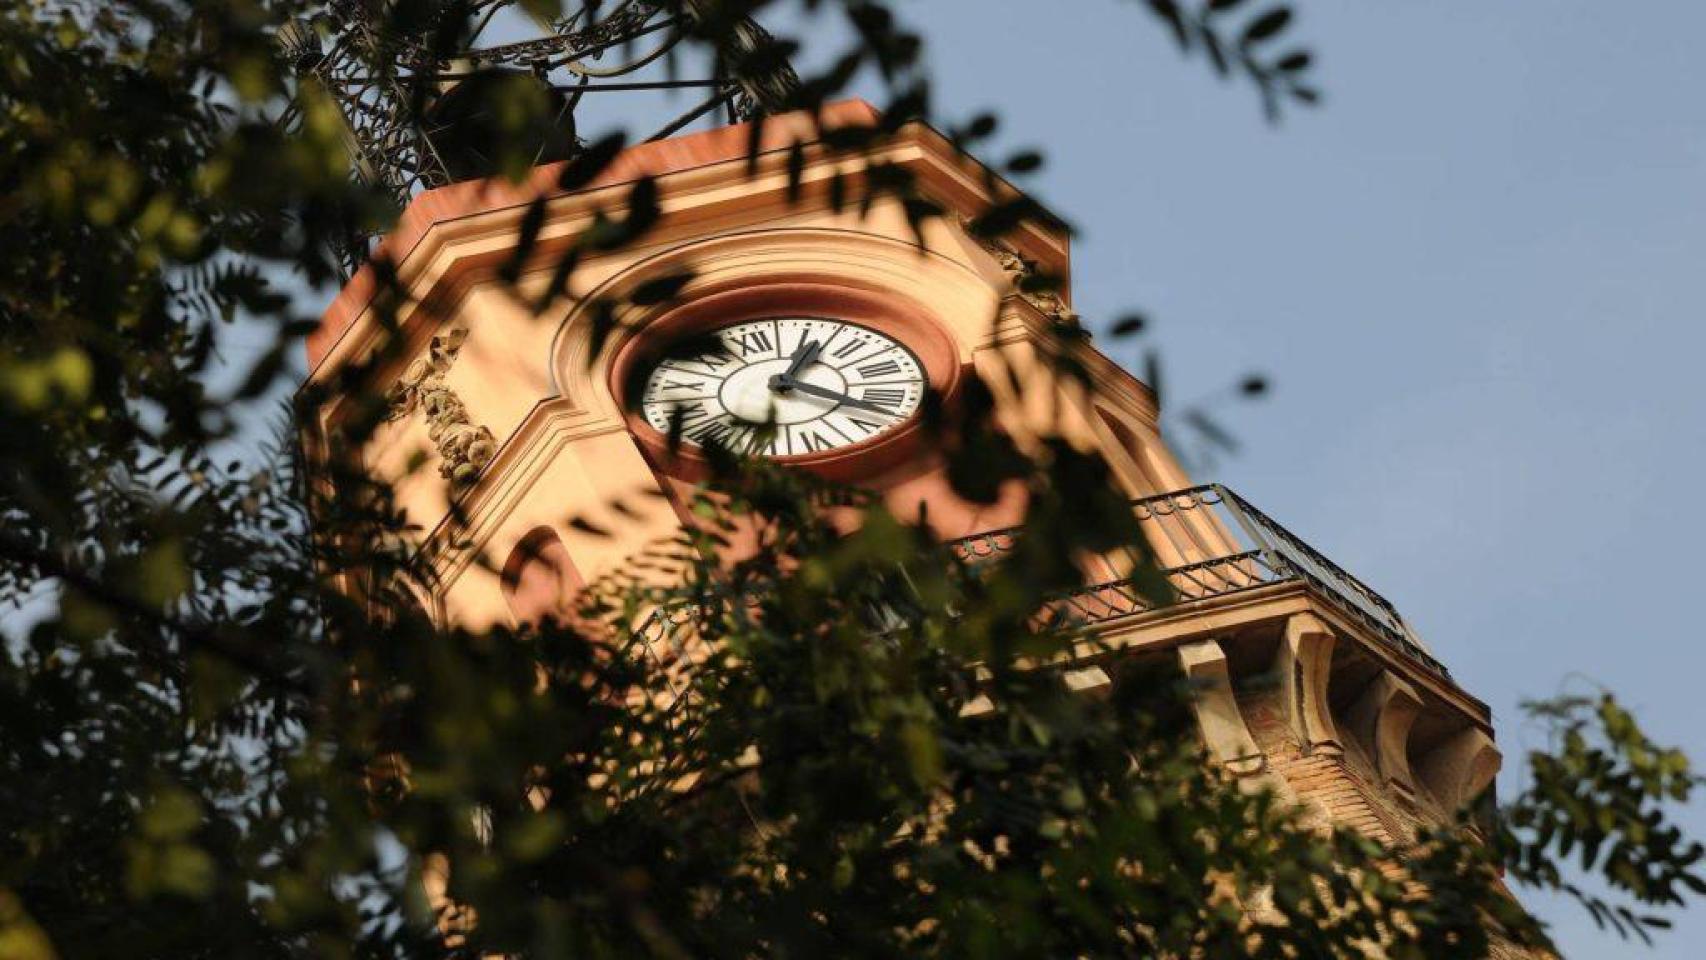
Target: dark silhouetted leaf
{"x":1211,"y":430}
{"x":1216,"y":56}
{"x":1129,"y":325}
{"x":837,"y":192}
{"x":661,"y":289}
{"x":1003,"y":218}
{"x":591,"y":160}
{"x":1168,"y":10}
{"x":526,"y":236}
{"x":587,"y":526}
{"x":1026,"y":161}
{"x":1266,"y":26}
{"x":603,"y":317}
{"x":796,"y":170}
{"x":263,"y":374}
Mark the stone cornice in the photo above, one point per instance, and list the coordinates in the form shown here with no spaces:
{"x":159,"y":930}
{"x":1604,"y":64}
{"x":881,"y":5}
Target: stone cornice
{"x":702,"y":176}
{"x":1023,"y":320}
{"x":1169,"y":626}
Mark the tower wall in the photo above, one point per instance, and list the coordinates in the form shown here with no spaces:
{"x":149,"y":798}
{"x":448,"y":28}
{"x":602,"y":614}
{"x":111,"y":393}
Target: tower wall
{"x":518,"y":418}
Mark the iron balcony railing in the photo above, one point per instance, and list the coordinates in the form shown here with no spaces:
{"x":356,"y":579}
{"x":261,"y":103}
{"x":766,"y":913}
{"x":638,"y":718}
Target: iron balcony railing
{"x":1210,"y":543}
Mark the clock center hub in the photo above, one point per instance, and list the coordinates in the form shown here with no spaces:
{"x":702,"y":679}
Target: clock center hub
{"x":747,"y":393}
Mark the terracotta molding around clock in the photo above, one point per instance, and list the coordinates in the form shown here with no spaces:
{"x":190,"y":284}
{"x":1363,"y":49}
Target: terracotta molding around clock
{"x":888,"y":313}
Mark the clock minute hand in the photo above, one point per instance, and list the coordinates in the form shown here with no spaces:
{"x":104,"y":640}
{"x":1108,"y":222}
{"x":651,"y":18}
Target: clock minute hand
{"x":829,"y":394}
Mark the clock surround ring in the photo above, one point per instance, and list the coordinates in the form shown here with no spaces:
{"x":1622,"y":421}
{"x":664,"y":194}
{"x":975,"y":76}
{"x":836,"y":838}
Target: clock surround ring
{"x":897,"y":317}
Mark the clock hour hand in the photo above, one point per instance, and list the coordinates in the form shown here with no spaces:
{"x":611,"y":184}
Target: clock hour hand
{"x":801,"y":359}
{"x":788,"y":383}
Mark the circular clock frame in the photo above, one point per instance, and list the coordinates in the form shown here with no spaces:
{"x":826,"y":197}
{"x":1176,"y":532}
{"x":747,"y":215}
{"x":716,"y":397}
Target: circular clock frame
{"x":897,"y":318}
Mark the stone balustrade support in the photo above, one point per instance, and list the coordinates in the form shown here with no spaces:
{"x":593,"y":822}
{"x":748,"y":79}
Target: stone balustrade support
{"x":1382,"y":718}
{"x":1458,"y":770}
{"x":1304,"y":666}
{"x":1218,"y":717}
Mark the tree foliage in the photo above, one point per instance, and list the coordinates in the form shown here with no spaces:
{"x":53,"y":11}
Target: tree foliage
{"x":842,"y":744}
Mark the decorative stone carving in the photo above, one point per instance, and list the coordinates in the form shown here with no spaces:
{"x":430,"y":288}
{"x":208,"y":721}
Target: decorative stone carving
{"x":1021,"y":270}
{"x":464,"y":447}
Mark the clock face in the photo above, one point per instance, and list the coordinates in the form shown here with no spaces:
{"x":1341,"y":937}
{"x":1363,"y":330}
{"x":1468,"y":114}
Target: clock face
{"x":822,"y":383}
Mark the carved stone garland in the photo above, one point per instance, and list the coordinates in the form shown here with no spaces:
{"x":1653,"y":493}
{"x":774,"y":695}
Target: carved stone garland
{"x":464,"y":448}
{"x":1019,"y":270}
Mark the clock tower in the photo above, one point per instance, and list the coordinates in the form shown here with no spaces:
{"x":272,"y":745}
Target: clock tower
{"x":532,"y":450}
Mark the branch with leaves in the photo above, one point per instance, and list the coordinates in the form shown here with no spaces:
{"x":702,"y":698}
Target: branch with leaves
{"x":227,"y":726}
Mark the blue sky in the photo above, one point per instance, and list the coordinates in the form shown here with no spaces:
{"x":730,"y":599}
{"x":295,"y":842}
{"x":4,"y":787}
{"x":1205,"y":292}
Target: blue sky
{"x":1476,"y":275}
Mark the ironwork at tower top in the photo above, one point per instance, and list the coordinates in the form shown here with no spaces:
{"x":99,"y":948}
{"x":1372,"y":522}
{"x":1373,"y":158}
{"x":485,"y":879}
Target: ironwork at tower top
{"x":414,"y":123}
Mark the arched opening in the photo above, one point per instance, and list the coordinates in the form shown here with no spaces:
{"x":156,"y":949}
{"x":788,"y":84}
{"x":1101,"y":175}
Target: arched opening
{"x":539,"y":580}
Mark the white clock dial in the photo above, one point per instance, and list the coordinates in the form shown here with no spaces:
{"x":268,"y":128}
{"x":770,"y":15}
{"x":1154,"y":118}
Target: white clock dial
{"x":821,"y":383}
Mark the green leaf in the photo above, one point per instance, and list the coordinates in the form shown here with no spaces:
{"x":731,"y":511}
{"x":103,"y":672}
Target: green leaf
{"x":21,"y":938}
{"x":184,"y":869}
{"x":171,"y":815}
{"x":534,"y":836}
{"x":923,"y":754}
{"x":543,"y":11}
{"x":162,"y":573}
